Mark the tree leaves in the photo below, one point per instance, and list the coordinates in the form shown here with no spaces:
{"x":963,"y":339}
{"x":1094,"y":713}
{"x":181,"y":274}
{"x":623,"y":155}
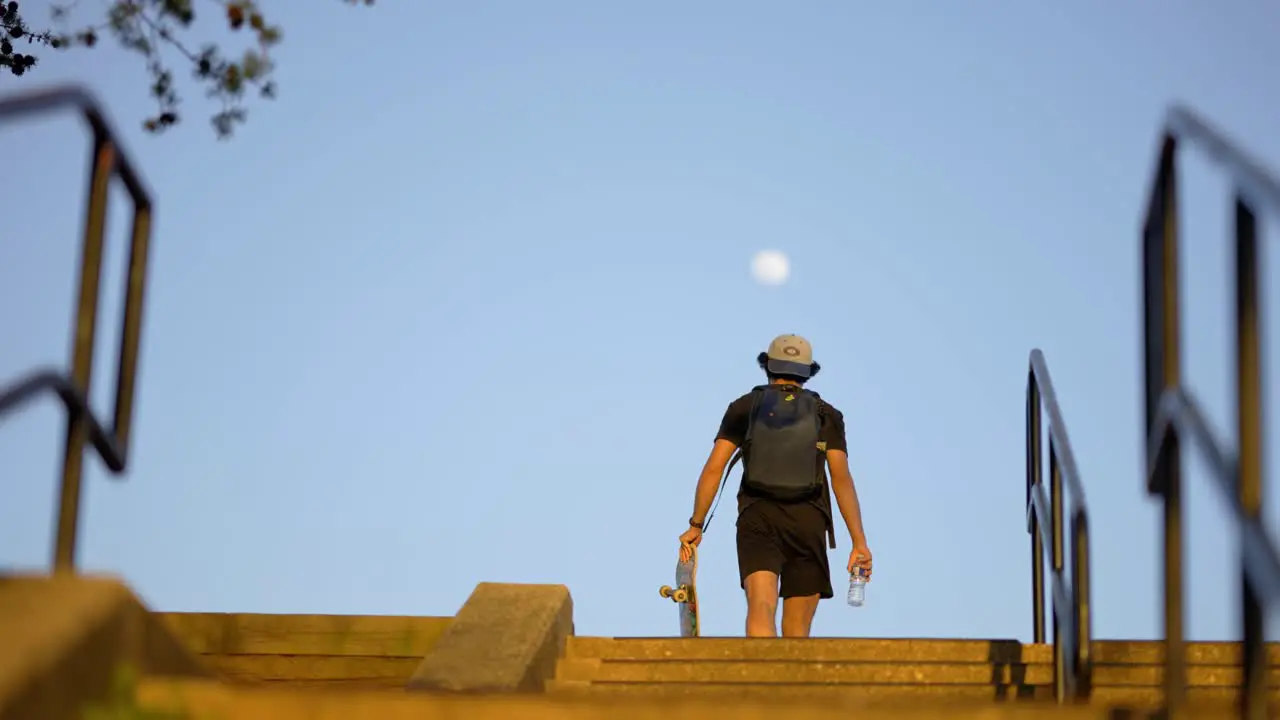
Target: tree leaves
{"x":154,"y":30}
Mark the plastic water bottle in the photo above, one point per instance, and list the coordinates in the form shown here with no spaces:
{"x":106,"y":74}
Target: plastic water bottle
{"x":857,"y":587}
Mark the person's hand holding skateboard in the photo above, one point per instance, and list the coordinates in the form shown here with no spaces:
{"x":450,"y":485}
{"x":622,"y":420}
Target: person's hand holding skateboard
{"x":688,"y":541}
{"x":861,"y":557}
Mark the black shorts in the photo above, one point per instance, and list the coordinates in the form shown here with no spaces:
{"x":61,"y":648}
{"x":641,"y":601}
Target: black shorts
{"x":788,"y":539}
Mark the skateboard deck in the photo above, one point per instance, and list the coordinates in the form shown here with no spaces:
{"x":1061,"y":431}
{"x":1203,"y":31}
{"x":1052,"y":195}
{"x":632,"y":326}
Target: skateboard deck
{"x":685,"y":594}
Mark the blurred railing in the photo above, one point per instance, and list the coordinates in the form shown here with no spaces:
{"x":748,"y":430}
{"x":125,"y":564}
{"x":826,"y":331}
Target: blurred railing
{"x":107,"y":160}
{"x":1173,"y":415}
{"x":1072,"y":626}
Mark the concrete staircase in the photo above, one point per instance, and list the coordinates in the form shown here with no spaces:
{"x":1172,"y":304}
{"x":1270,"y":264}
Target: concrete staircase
{"x":272,"y":666}
{"x":77,"y":645}
{"x":779,"y":678}
{"x":201,"y":700}
{"x":883,"y":672}
{"x":308,"y":651}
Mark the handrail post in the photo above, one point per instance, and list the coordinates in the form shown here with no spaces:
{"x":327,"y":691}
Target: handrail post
{"x":101,"y":164}
{"x":1034,"y":479}
{"x":131,"y":323}
{"x":1162,"y":365}
{"x":1249,"y":428}
{"x":1083,"y":617}
{"x":1059,"y":639}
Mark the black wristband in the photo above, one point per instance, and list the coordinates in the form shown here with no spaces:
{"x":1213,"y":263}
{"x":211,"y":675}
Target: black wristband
{"x":695,"y":524}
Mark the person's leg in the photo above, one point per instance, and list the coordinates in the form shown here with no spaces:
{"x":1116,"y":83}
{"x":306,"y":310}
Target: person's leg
{"x":760,"y":560}
{"x":762,"y":603}
{"x":806,"y":574}
{"x":797,"y":615}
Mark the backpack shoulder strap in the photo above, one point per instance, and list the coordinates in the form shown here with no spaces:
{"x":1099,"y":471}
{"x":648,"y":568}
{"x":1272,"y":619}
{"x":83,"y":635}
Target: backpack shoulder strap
{"x":757,"y":393}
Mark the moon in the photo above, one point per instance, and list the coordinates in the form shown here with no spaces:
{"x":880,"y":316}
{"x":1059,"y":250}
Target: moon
{"x":770,"y":267}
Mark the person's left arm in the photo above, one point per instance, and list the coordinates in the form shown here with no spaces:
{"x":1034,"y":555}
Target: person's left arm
{"x":842,"y":481}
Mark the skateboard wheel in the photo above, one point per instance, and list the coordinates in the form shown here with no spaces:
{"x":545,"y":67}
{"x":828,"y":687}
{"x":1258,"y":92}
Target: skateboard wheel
{"x":665,"y":591}
{"x":680,"y":595}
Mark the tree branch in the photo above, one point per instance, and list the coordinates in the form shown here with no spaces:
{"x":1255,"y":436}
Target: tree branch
{"x":147,"y":27}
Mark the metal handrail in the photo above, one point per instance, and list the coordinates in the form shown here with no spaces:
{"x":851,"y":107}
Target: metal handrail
{"x":108,"y":159}
{"x":43,"y":381}
{"x":1182,"y":415}
{"x":1072,"y":620}
{"x":1172,"y":412}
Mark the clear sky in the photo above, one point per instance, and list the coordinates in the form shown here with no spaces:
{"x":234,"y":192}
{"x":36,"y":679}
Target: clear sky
{"x":467,"y":302}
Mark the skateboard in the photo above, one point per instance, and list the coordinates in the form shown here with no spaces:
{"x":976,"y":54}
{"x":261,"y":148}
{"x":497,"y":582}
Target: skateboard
{"x":685,"y":594}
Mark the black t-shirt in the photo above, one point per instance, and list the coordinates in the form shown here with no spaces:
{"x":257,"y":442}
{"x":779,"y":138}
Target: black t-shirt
{"x":733,"y":427}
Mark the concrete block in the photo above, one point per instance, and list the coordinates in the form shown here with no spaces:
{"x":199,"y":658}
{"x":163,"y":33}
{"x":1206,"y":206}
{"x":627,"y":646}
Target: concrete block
{"x":506,"y":638}
{"x":64,"y":639}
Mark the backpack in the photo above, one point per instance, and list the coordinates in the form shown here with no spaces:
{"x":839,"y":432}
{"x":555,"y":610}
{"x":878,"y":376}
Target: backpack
{"x":780,"y":455}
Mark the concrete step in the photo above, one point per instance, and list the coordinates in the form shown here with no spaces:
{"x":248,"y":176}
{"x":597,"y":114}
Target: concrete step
{"x":309,"y":650}
{"x":878,"y":695}
{"x":1116,"y":652}
{"x":315,"y":670}
{"x":800,"y":671}
{"x":213,"y":699}
{"x":346,"y":635}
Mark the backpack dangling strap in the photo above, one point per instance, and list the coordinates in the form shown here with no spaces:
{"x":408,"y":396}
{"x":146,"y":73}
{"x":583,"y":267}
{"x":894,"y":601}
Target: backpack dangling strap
{"x":737,"y":455}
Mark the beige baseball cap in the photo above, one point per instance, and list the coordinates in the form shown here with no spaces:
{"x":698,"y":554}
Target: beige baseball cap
{"x":789,"y":355}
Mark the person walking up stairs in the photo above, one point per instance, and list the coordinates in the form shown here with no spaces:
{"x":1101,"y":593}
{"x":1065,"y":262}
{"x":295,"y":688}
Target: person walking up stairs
{"x":783,"y":433}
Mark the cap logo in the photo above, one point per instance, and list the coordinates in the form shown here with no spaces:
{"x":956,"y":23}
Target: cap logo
{"x":791,"y":350}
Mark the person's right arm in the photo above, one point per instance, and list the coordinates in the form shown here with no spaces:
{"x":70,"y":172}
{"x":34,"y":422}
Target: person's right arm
{"x":709,"y":480}
{"x":730,"y":436}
